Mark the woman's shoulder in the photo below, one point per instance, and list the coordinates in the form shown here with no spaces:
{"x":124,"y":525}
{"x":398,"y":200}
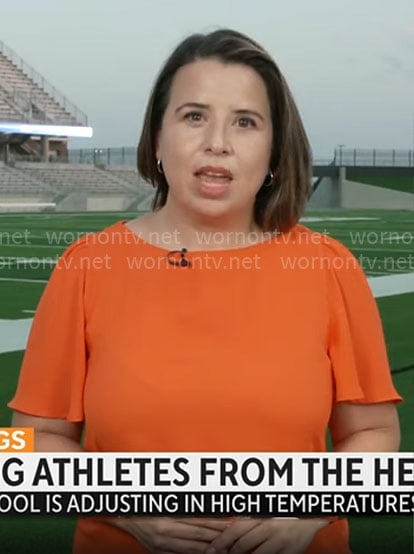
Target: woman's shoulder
{"x":321,"y":243}
{"x":90,"y":243}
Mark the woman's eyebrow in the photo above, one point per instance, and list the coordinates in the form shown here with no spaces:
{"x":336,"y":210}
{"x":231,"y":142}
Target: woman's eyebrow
{"x":192,"y":105}
{"x":249,"y":112}
{"x":200,"y":106}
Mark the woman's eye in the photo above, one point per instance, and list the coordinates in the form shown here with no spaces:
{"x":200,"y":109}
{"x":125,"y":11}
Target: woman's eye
{"x":193,"y":116}
{"x":246,"y":122}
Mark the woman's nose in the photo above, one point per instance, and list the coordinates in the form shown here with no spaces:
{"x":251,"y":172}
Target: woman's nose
{"x":217,"y":140}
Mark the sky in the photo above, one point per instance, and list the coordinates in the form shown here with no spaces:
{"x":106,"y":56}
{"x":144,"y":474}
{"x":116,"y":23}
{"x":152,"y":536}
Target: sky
{"x":349,"y":64}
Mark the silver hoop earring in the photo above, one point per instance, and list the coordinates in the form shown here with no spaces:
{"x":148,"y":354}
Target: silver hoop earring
{"x":159,"y":167}
{"x":270,"y":177}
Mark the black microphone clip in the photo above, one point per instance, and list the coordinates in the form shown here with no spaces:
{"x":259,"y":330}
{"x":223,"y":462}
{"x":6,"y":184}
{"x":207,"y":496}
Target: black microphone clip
{"x":182,"y":261}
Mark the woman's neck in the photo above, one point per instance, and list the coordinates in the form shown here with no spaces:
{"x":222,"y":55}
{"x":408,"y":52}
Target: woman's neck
{"x":202,"y":233}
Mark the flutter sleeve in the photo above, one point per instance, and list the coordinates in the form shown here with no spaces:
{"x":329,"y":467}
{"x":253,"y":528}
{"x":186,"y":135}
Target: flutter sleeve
{"x":356,"y":346}
{"x":53,"y":370}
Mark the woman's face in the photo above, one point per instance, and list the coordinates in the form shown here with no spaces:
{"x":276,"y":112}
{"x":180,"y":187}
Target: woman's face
{"x":216,"y":139}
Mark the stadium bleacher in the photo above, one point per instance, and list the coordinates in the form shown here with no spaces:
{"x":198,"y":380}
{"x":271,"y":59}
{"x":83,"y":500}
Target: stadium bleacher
{"x":17,"y":182}
{"x":35,"y":118}
{"x":68,"y":185}
{"x":77,"y":178}
{"x":7,"y":110}
{"x":29,"y":174}
{"x":22,"y":97}
{"x":126,"y":174}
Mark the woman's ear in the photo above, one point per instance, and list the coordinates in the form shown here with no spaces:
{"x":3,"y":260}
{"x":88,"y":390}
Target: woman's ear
{"x":158,"y":146}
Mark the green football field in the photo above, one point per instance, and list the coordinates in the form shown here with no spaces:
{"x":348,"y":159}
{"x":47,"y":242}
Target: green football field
{"x":382,"y":240}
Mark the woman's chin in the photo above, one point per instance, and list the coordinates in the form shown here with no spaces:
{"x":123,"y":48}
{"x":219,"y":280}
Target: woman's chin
{"x":214,"y":209}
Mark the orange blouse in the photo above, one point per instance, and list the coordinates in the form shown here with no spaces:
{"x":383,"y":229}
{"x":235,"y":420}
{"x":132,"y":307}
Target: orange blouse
{"x":246,"y":350}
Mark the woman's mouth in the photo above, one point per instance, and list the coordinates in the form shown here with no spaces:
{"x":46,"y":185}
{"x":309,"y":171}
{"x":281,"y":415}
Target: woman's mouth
{"x":214,"y":181}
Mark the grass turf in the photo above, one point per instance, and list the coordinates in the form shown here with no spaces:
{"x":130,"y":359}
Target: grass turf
{"x":380,"y":236}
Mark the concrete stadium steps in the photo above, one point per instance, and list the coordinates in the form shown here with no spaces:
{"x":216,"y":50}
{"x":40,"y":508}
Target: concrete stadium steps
{"x":28,"y":97}
{"x":61,"y":181}
{"x":15,"y":182}
{"x":129,"y":175}
{"x":8,"y":112}
{"x":145,"y":191}
{"x":76,"y":178}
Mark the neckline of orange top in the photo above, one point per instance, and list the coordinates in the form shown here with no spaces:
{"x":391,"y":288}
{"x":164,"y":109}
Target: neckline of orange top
{"x":247,"y":247}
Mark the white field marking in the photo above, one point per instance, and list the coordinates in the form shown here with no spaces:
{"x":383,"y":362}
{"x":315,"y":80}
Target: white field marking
{"x":321,"y":218}
{"x":33,"y":245}
{"x":384,"y":273}
{"x":398,"y":237}
{"x":28,"y":311}
{"x":14,"y":260}
{"x":14,"y":332}
{"x":385,"y":248}
{"x":59,"y":215}
{"x":27,"y":205}
{"x":391,"y":285}
{"x":17,"y":280}
{"x":24,"y":258}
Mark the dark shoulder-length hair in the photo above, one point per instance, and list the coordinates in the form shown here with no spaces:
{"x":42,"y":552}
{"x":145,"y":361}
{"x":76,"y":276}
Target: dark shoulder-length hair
{"x":278,"y":206}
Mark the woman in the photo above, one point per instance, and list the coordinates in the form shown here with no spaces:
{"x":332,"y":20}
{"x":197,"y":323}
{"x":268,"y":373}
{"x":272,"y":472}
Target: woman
{"x":217,"y":322}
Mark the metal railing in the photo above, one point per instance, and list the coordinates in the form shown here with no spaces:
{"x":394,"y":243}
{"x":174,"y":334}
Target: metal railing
{"x":127,"y":156}
{"x":40,"y":81}
{"x":341,"y":157}
{"x":22,"y":102}
{"x":374,"y":157}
